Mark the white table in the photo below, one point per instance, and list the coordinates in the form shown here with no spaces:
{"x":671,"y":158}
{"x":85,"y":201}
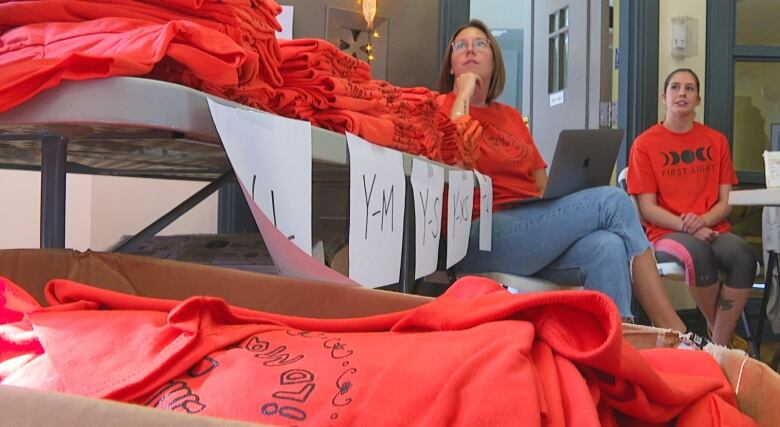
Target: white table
{"x":760,"y":197}
{"x":136,"y":127}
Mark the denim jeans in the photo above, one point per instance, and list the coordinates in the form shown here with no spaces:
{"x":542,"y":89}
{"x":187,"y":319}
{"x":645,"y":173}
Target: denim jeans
{"x":588,"y":237}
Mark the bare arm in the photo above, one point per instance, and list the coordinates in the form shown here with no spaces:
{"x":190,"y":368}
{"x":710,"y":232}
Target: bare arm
{"x":652,"y":213}
{"x":465,"y":86}
{"x":540,"y":176}
{"x":721,"y":210}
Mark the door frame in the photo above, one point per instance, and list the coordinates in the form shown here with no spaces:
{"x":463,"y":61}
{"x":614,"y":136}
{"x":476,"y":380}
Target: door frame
{"x":452,"y":14}
{"x":637,"y":71}
{"x":722,"y":55}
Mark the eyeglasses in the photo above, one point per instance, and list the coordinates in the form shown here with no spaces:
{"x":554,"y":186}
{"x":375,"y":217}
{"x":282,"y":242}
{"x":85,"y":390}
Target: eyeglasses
{"x":476,"y":44}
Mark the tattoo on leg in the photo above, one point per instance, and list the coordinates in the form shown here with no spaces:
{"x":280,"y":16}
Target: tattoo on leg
{"x":725,"y":303}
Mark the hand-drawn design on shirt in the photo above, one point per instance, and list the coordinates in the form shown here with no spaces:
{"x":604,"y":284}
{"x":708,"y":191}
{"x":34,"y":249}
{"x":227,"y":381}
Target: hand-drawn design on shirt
{"x":203,"y":367}
{"x":344,"y":386}
{"x":272,"y":408}
{"x":174,"y":396}
{"x":504,"y":143}
{"x":292,"y":377}
{"x":276,"y":356}
{"x":702,"y":154}
{"x":338,"y":350}
{"x":307,"y":334}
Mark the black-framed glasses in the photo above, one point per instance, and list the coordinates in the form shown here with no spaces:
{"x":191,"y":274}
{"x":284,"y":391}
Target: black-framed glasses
{"x":476,"y":44}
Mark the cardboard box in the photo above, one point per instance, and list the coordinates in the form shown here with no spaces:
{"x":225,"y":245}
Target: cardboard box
{"x":159,"y":278}
{"x":136,"y":275}
{"x":23,"y":407}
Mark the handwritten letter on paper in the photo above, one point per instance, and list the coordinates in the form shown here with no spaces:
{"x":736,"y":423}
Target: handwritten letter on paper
{"x":377,"y":192}
{"x":428,"y":186}
{"x":460,"y":201}
{"x":485,"y":211}
{"x":271,"y":157}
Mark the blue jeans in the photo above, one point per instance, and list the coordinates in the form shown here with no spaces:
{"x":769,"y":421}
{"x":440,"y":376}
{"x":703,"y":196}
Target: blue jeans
{"x":586,"y":237}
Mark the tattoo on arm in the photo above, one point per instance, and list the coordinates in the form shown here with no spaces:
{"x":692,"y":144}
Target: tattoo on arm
{"x":725,"y":303}
{"x":465,"y":106}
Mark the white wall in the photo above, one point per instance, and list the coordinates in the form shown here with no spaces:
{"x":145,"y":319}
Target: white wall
{"x":125,"y":206}
{"x":20,"y":201}
{"x":99,"y":210}
{"x":666,"y":62}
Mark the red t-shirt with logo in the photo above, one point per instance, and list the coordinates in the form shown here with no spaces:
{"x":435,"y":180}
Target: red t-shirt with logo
{"x":684,"y":170}
{"x":502,"y":148}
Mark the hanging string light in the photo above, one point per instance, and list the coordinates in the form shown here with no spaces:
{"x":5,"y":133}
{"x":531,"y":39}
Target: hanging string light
{"x":369,"y":13}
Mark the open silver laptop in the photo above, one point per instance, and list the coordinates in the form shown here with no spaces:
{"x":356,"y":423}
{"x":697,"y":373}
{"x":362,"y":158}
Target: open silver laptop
{"x":583,"y":158}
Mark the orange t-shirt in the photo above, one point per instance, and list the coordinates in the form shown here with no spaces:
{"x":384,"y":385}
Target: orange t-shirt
{"x":504,"y":150}
{"x":684,"y":170}
{"x":541,"y":359}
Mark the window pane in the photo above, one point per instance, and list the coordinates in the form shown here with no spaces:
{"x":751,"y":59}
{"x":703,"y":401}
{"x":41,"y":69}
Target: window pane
{"x":564,"y":43}
{"x":757,"y":22}
{"x":756,"y":112}
{"x":552,"y":24}
{"x":563,"y":20}
{"x":552,"y":66}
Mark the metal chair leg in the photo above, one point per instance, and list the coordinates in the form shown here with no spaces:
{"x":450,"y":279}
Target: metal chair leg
{"x":749,"y":335}
{"x":773,"y":266}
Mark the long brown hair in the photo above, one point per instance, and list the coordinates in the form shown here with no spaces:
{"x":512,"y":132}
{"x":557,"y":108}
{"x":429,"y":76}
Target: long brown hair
{"x":447,"y":79}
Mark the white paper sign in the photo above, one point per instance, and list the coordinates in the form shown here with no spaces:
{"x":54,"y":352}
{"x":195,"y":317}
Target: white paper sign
{"x":377,"y":192}
{"x":460,"y":201}
{"x":288,"y":258}
{"x":556,"y":98}
{"x":286,"y":21}
{"x":485,"y":211}
{"x":428,"y":187}
{"x":772,"y":168}
{"x":271,"y":156}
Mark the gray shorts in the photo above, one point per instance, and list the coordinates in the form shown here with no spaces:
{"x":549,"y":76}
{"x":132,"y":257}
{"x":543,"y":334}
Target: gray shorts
{"x":702,"y":260}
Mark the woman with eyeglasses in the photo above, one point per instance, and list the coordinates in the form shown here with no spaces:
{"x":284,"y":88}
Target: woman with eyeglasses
{"x":592,"y":237}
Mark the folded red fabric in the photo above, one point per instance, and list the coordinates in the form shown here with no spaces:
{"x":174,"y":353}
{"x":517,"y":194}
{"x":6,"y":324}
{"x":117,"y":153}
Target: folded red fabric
{"x":15,"y":332}
{"x":226,"y":48}
{"x":475,"y":356}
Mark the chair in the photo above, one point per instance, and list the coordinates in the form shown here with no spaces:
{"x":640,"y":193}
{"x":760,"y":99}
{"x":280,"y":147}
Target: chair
{"x":675,"y":271}
{"x":514,"y":283}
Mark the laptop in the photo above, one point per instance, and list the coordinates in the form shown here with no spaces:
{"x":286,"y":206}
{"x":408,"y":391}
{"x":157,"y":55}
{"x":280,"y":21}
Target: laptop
{"x":584,"y":158}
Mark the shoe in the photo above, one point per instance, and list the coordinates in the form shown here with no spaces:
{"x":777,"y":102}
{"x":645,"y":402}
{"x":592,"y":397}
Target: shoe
{"x":695,"y":341}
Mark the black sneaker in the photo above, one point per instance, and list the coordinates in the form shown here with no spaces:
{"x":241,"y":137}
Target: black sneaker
{"x":695,"y":340}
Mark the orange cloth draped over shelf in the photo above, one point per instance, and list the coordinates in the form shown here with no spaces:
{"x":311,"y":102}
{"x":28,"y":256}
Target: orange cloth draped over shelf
{"x":228,"y":49}
{"x":475,"y":356}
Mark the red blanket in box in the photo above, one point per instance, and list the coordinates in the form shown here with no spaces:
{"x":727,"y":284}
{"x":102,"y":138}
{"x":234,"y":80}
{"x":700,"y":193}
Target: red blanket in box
{"x":475,"y":356}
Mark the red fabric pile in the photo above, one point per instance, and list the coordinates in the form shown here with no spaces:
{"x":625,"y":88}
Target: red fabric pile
{"x":334,"y":91}
{"x":475,"y":356}
{"x":226,"y":48}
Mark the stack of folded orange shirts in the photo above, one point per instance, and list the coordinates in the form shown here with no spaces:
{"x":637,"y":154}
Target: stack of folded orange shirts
{"x":227,"y":48}
{"x":334,"y":90}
